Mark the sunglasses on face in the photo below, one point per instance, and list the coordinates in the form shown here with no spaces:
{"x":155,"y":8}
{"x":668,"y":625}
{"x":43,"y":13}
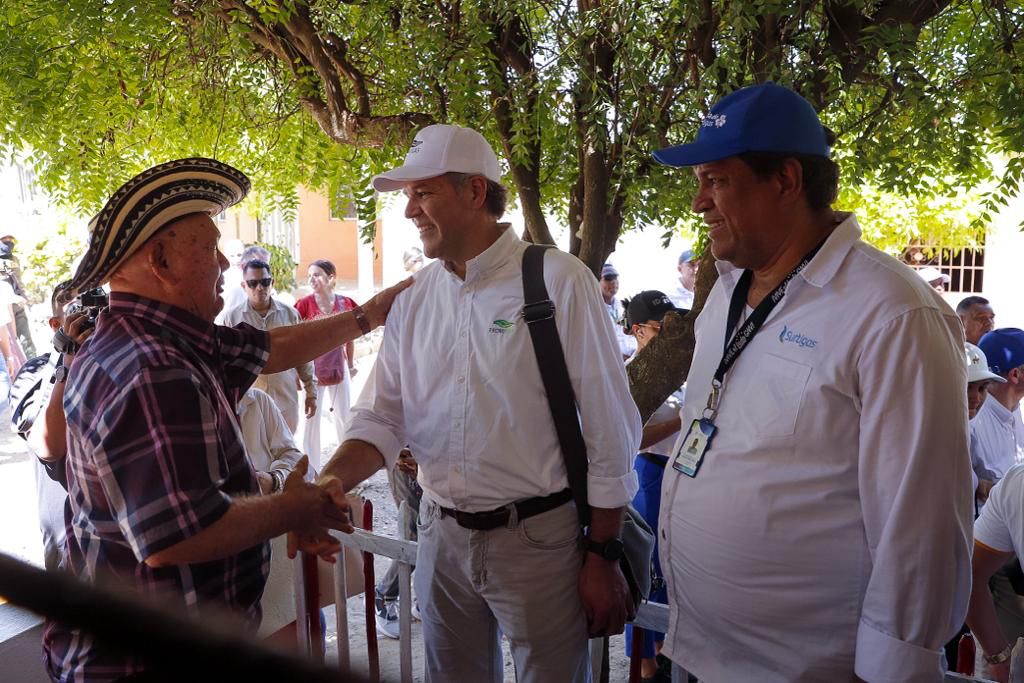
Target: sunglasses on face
{"x":265,"y":282}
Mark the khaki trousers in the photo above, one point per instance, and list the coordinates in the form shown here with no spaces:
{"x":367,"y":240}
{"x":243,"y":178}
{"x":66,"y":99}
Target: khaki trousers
{"x":519,"y":580}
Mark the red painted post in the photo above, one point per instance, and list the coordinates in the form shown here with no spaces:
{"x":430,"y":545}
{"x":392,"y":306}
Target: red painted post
{"x":369,"y":586}
{"x":312,"y":616}
{"x":636,"y":653}
{"x":965,"y":655}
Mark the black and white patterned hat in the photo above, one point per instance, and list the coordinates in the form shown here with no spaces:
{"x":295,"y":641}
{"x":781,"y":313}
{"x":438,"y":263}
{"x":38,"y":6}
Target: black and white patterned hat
{"x":147,"y":203}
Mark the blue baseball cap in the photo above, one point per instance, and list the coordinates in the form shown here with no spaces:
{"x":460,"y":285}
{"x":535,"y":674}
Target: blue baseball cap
{"x":686,"y":256}
{"x":758,"y":118}
{"x":1004,"y":349}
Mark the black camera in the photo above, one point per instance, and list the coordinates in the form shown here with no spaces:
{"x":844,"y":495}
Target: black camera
{"x":91,"y":302}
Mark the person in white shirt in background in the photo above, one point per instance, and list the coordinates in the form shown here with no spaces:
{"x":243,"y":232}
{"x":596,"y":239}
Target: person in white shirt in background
{"x":997,"y":446}
{"x":682,"y":294}
{"x":816,"y":515}
{"x":263,"y":312}
{"x":935,"y":278}
{"x":998,"y":431}
{"x":457,"y":380}
{"x":609,"y":288}
{"x":644,"y":313}
{"x":999,"y":529}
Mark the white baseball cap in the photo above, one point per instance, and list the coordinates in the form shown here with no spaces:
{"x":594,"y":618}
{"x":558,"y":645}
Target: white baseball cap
{"x":977,"y":365}
{"x":932,"y":274}
{"x":441,"y":149}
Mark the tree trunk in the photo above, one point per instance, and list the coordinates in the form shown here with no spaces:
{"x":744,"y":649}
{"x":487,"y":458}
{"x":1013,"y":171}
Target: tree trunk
{"x":663,"y":365}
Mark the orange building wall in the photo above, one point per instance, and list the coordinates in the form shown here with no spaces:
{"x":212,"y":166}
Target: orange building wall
{"x":320,"y":237}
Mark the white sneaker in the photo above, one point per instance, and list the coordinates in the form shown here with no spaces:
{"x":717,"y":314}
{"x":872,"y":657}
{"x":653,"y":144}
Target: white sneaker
{"x":416,"y":610}
{"x":387,"y":618}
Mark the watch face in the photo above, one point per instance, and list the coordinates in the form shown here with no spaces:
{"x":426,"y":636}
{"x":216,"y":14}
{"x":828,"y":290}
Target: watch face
{"x":613,"y":549}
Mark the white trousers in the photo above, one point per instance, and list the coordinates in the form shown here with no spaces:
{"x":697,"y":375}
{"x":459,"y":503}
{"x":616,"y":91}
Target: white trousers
{"x":333,"y":403}
{"x":520,"y":580}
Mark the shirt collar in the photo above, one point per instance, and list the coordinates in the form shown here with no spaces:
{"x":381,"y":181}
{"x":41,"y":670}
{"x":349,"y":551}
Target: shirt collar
{"x":998,"y":410}
{"x":823,"y":267}
{"x":272,"y":309}
{"x":493,"y":256}
{"x":198,"y":332}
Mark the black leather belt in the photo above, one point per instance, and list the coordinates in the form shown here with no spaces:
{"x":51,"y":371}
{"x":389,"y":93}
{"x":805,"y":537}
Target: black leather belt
{"x":492,"y":519}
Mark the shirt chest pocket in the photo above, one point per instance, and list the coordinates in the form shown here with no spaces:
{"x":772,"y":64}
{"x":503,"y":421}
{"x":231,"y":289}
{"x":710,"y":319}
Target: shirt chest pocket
{"x":774,"y":394}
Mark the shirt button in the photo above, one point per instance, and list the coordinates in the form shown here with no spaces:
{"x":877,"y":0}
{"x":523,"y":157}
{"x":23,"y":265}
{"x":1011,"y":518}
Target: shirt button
{"x":461,"y":380}
{"x":457,"y":425}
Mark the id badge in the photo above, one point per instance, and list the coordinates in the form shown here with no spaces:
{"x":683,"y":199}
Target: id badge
{"x":690,"y":453}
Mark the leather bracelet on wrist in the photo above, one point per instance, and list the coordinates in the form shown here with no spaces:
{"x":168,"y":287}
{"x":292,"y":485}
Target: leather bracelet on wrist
{"x":360,"y":315}
{"x":999,"y":657}
{"x":278,"y":476}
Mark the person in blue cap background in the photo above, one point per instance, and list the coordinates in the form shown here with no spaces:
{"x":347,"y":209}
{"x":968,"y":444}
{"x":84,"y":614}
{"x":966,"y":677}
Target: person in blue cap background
{"x":816,"y":512}
{"x":682,"y":295}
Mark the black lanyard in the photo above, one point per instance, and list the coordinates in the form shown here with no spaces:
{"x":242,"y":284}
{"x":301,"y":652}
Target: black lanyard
{"x":734,"y":347}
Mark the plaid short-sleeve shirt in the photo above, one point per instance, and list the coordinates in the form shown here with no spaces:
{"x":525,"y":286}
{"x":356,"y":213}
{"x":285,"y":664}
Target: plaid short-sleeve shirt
{"x":154,"y":457}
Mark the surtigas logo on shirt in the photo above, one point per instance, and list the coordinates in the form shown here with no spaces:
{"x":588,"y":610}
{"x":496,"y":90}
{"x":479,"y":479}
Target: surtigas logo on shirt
{"x":500,"y":326}
{"x":788,"y":335}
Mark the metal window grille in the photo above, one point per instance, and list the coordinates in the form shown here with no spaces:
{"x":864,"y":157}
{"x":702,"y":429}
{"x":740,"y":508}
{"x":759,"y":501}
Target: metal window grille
{"x":965,"y":266}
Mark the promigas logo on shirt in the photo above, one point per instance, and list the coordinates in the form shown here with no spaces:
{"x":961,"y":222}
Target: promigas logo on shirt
{"x":500,"y":326}
{"x":788,"y":335}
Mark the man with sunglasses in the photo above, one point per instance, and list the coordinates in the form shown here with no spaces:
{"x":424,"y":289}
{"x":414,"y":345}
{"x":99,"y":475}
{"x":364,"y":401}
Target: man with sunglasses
{"x":264,"y":313}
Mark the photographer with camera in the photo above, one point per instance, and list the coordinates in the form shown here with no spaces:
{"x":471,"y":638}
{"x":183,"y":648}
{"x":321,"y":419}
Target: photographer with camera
{"x":37,"y":415}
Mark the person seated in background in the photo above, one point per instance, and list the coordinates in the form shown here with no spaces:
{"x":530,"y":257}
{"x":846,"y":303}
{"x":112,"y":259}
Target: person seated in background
{"x":644,"y":313}
{"x":271,"y":449}
{"x":264,"y":312}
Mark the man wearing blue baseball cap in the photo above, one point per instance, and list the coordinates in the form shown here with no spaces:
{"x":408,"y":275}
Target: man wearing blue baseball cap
{"x":682,"y":294}
{"x":810,"y":503}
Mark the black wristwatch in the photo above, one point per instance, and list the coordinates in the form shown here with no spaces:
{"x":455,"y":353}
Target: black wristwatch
{"x":609,"y":550}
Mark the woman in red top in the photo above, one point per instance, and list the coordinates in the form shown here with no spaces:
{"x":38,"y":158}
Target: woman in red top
{"x":334,"y":370}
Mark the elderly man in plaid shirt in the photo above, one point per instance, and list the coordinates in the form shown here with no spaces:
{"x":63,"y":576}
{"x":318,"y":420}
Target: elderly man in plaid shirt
{"x":163,"y":499}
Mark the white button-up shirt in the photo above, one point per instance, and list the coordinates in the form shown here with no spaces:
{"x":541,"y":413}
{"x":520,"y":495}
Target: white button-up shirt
{"x":998,"y":436}
{"x":280,"y":385}
{"x":457,"y":379}
{"x":828,"y":529}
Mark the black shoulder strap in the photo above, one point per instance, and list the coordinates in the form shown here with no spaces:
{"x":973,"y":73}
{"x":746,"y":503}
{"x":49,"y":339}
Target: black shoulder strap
{"x":539,"y":314}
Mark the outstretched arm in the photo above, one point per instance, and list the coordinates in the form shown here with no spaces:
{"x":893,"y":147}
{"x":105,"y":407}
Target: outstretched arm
{"x":294,"y":345}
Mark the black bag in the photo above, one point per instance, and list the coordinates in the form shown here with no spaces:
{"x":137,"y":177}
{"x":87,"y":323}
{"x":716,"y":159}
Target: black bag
{"x":539,"y":314}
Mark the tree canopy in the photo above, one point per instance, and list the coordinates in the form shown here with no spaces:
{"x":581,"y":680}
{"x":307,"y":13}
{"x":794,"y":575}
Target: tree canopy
{"x":575,"y":94}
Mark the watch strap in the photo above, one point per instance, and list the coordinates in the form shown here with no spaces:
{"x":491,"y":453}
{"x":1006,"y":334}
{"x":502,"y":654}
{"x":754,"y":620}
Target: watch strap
{"x":999,"y":657}
{"x":360,"y":316}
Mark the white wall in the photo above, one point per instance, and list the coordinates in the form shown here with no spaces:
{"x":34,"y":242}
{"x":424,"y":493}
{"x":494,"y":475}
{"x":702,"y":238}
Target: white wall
{"x":1004,"y":265}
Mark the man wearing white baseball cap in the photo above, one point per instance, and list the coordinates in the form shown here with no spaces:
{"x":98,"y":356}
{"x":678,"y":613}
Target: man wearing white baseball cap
{"x":935,"y":278}
{"x":457,"y":380}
